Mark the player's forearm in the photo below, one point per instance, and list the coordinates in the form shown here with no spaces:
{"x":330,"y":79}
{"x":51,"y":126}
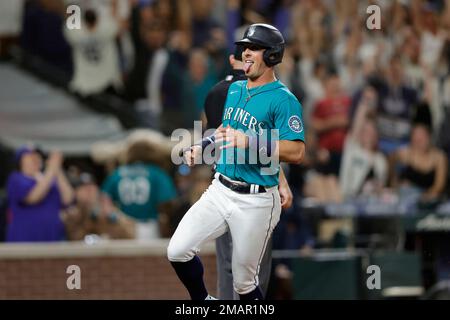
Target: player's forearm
{"x":283,"y":150}
{"x":290,"y":151}
{"x":203,"y":144}
{"x":282,"y":178}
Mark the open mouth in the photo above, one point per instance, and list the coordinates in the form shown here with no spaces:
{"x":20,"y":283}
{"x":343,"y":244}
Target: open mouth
{"x":247,"y":65}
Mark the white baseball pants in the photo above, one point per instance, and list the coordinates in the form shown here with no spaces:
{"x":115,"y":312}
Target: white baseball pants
{"x":250,"y":218}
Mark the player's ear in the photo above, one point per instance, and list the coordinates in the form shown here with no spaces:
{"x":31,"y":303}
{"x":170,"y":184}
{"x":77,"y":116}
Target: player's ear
{"x":231,"y":59}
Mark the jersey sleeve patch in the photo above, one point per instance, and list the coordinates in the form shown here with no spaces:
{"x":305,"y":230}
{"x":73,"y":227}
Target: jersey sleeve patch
{"x":295,"y":124}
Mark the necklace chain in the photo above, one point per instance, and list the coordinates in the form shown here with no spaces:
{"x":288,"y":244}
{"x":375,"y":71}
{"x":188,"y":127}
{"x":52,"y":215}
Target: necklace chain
{"x":249,"y":95}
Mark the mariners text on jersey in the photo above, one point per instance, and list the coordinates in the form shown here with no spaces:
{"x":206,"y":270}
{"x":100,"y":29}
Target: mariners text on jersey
{"x":258,"y":111}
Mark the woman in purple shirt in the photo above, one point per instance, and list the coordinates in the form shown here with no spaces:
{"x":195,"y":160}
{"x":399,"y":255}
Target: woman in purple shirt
{"x":36,"y":197}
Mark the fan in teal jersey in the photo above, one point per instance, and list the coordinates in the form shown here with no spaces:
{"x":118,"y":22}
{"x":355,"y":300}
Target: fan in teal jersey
{"x":140,"y":188}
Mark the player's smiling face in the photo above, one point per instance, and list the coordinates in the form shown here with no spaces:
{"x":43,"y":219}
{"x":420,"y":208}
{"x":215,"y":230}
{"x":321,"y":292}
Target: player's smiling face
{"x":254,"y":65}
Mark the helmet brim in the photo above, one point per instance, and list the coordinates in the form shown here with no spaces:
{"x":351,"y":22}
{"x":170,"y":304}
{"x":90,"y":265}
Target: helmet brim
{"x":247,"y":41}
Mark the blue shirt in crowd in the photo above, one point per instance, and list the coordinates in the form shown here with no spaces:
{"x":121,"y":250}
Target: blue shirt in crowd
{"x":38,"y":222}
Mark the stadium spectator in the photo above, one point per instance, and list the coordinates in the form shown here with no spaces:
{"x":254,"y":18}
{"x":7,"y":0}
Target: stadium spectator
{"x":364,"y":169}
{"x":308,"y":27}
{"x":437,"y":91}
{"x":96,"y":58}
{"x":88,"y":216}
{"x":396,"y":107}
{"x":288,"y":74}
{"x":206,"y":32}
{"x":432,"y":35}
{"x":410,"y":55}
{"x":36,"y":197}
{"x":312,"y":74}
{"x":214,"y":39}
{"x":420,"y":168}
{"x":149,"y":34}
{"x":179,"y":46}
{"x":144,"y":84}
{"x":134,"y":79}
{"x":354,"y":56}
{"x":330,"y":119}
{"x":140,"y":188}
{"x":42,"y":33}
{"x":197,"y":82}
{"x":10,"y":25}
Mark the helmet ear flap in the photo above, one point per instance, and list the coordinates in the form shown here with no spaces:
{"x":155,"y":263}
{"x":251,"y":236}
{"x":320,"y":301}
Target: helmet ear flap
{"x":238,"y":50}
{"x":273,"y":56}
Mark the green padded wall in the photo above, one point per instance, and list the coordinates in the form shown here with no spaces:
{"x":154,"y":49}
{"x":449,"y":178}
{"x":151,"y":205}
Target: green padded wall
{"x":327,"y":279}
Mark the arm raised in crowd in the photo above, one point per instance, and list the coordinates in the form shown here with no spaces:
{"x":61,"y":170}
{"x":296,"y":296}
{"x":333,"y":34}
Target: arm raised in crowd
{"x":42,"y":187}
{"x":65,"y":189}
{"x":365,"y":107}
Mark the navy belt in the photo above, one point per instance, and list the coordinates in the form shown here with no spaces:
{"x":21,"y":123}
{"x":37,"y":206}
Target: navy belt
{"x":241,"y":188}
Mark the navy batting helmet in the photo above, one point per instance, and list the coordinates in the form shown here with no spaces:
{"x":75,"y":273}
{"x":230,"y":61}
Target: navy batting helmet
{"x":268,"y":37}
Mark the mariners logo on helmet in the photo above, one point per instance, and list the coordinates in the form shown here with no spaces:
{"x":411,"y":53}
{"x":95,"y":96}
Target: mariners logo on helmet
{"x":251,"y":31}
{"x":295,"y":124}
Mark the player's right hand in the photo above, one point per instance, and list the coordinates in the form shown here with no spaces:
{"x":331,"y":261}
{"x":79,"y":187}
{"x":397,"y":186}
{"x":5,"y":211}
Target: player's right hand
{"x":193,"y":155}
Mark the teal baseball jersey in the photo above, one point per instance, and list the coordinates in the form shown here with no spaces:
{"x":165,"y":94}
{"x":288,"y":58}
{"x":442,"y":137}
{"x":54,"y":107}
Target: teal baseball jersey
{"x":137,"y":189}
{"x":270,"y":111}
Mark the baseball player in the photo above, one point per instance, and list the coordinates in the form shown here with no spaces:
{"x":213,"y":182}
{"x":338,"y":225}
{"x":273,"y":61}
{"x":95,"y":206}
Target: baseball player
{"x":261,"y":115}
{"x":214,"y":105}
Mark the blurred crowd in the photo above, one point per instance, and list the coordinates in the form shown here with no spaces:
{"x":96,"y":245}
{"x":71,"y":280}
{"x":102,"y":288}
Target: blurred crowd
{"x":375,"y":105}
{"x":366,"y":94}
{"x":131,"y":191}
